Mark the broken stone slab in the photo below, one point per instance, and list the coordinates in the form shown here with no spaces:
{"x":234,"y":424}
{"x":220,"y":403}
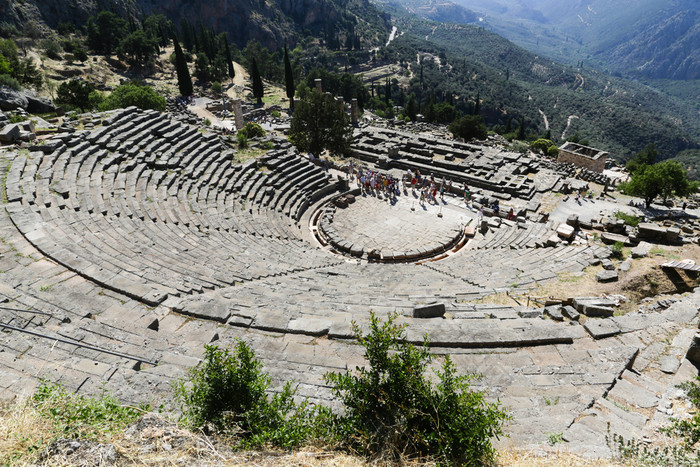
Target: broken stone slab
{"x":570,"y":312}
{"x":553,"y":240}
{"x":554,"y":312}
{"x":606,"y":276}
{"x":625,"y":266}
{"x":431,"y":310}
{"x":610,"y":238}
{"x":601,"y":328}
{"x":668,"y":364}
{"x":594,"y":306}
{"x":608,"y":265}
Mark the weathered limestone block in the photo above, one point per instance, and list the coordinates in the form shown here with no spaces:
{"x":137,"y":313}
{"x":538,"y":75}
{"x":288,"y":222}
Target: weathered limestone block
{"x":431,"y":310}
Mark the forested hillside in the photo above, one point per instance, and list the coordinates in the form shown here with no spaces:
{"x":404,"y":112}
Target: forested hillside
{"x":459,"y":62}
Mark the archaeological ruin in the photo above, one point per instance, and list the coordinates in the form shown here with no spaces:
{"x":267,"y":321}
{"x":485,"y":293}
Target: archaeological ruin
{"x":133,"y":241}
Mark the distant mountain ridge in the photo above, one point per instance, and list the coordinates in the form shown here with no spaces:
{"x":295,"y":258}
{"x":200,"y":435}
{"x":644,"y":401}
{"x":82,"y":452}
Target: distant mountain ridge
{"x":669,"y":50}
{"x":652,"y":38}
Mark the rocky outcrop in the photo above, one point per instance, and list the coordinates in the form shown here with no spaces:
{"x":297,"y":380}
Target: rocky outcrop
{"x":25,"y":100}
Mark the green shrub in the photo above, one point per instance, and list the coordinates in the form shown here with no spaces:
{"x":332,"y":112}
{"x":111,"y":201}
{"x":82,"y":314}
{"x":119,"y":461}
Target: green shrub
{"x":617,"y":251}
{"x":242,"y":139}
{"x":253,"y":130}
{"x":688,"y":430}
{"x":276,"y":114}
{"x":135,"y":93}
{"x":206,"y":121}
{"x":228,"y":391}
{"x":391,"y":410}
{"x":51,"y":47}
{"x":77,"y":416}
{"x":629,"y":219}
{"x":7,"y":80}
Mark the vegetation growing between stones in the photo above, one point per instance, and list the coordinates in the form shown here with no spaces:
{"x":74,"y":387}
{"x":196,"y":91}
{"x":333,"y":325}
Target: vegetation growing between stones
{"x":630,"y":219}
{"x":228,"y":391}
{"x":391,"y":409}
{"x":77,"y":416}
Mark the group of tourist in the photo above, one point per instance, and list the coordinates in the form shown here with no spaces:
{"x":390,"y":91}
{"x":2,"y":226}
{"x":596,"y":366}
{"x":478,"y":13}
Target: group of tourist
{"x":372,"y":182}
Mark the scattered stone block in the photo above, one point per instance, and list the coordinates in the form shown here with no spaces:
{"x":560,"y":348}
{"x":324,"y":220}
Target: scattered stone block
{"x":693,"y":354}
{"x":10,"y":133}
{"x":553,"y":240}
{"x":625,"y":266}
{"x":554,"y":312}
{"x":565,"y":231}
{"x":648,"y":230}
{"x":642,"y":250}
{"x":608,"y":265}
{"x":570,"y":312}
{"x":432,"y":310}
{"x":606,"y":276}
{"x":572,"y":220}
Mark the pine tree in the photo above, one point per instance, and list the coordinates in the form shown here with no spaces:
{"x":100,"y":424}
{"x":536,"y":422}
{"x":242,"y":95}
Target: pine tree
{"x":184,"y":80}
{"x":258,"y":89}
{"x":289,"y":79}
{"x":229,"y":62}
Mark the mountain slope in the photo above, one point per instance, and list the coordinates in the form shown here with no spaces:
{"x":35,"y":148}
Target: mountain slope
{"x":670,"y":49}
{"x":637,"y":35}
{"x":272,"y":22}
{"x":461,"y":61}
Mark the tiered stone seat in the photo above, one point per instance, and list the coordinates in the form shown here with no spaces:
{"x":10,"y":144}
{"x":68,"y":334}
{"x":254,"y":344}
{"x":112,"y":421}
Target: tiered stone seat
{"x":178,"y":219}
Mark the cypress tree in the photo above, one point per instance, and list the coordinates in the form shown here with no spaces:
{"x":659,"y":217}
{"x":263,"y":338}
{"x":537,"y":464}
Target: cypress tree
{"x":258,"y":90}
{"x":521,"y":131}
{"x":184,"y":80}
{"x":229,"y":62}
{"x":289,"y":79}
{"x":477,"y":105}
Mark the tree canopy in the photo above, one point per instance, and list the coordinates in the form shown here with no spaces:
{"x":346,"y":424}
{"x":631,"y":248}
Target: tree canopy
{"x":664,"y":179}
{"x":319,"y":123}
{"x":469,"y":127}
{"x":134,"y":93}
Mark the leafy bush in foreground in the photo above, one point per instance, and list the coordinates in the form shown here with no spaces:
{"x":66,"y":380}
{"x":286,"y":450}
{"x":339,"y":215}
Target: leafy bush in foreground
{"x":392,"y":410}
{"x":228,"y":391}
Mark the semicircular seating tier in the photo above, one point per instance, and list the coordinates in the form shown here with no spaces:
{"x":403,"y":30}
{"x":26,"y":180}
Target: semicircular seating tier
{"x":154,"y":208}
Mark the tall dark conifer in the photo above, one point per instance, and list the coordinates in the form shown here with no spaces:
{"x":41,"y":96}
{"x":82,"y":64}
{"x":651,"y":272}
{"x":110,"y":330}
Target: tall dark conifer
{"x":289,"y":79}
{"x":258,"y":90}
{"x":184,"y":80}
{"x":229,"y":62}
{"x":477,"y":105}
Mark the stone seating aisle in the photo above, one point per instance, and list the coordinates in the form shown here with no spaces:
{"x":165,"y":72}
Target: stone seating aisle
{"x":155,"y":208}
